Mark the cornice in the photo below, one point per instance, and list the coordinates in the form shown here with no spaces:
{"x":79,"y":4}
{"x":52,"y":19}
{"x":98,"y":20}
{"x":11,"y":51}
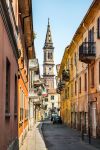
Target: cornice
{"x":8,"y":25}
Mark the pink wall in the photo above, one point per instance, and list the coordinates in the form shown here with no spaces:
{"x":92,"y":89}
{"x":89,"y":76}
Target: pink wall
{"x":8,"y":127}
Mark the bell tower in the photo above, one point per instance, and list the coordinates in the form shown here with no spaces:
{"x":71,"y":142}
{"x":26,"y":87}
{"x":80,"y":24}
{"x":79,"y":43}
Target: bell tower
{"x":48,"y":64}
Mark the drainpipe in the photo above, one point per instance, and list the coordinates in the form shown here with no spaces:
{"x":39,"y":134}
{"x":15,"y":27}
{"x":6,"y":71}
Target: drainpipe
{"x":89,"y":127}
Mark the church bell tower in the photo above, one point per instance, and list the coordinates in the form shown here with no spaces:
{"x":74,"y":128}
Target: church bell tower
{"x":48,"y":64}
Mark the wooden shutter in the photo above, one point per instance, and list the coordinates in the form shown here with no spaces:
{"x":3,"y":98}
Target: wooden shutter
{"x":98,"y":28}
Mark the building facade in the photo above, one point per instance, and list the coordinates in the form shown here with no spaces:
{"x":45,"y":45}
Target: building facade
{"x":16,"y":47}
{"x":79,"y":76}
{"x":26,"y":47}
{"x":8,"y":75}
{"x":34,"y":77}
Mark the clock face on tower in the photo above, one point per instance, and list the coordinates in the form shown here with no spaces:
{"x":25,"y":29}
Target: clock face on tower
{"x":50,"y":70}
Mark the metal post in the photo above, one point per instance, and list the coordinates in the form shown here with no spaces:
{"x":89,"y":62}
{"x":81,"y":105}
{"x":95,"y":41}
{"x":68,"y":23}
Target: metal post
{"x":82,"y":127}
{"x":82,"y":133}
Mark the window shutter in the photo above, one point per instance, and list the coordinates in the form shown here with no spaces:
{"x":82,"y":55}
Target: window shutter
{"x":99,"y":72}
{"x":98,"y":28}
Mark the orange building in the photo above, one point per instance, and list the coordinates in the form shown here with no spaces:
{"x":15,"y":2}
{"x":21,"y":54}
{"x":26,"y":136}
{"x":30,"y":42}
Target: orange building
{"x":26,"y":47}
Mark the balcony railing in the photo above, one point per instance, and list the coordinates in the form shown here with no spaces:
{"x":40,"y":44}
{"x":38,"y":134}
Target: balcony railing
{"x":66,"y":75}
{"x":60,"y":86}
{"x":58,"y":91}
{"x":87,"y":52}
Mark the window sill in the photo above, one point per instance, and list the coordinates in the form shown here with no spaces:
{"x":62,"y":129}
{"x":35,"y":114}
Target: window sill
{"x":7,"y":115}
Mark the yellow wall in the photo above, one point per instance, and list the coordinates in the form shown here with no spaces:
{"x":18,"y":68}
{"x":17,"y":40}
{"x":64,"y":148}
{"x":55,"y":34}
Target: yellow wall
{"x":78,"y":103}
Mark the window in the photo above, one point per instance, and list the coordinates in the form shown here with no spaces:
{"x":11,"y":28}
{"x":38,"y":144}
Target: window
{"x":75,"y":61}
{"x":68,"y":64}
{"x":52,"y":105}
{"x":92,"y":77}
{"x":98,"y":28}
{"x":46,"y":99}
{"x":49,"y":55}
{"x":75,"y":87}
{"x":68,"y":92}
{"x":7,"y":102}
{"x":85,"y":45}
{"x":21,"y":104}
{"x":44,"y":56}
{"x":99,"y":72}
{"x":71,"y":89}
{"x":85,"y":40}
{"x":31,"y":79}
{"x":85,"y":81}
{"x":52,"y":97}
{"x":91,"y":35}
{"x":80,"y":85}
{"x":26,"y":114}
{"x":65,"y":93}
{"x":72,"y":62}
{"x":15,"y":103}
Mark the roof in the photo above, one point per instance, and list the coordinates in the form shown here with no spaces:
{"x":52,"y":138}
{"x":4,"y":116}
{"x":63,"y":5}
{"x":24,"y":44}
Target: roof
{"x":26,"y":13}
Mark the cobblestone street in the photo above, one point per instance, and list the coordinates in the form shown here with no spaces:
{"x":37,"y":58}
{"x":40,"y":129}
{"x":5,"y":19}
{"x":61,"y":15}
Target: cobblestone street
{"x":60,"y":137}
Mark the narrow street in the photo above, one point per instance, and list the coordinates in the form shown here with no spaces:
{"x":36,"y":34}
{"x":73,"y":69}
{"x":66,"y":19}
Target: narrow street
{"x":60,"y":137}
{"x":49,"y":74}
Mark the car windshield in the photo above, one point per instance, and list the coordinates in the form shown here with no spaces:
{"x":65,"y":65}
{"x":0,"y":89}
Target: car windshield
{"x":57,"y":117}
{"x":54,"y":115}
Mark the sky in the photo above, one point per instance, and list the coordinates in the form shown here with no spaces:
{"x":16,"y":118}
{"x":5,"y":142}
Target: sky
{"x":65,"y":17}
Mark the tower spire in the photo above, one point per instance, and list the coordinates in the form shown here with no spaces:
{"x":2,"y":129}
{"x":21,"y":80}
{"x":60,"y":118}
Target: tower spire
{"x":48,"y":39}
{"x":48,"y":63}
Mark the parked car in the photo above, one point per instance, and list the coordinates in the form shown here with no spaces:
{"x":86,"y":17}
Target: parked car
{"x":53,"y":115}
{"x":57,"y":119}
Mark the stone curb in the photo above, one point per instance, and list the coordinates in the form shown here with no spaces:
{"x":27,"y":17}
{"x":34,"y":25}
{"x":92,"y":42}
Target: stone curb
{"x":40,"y":130}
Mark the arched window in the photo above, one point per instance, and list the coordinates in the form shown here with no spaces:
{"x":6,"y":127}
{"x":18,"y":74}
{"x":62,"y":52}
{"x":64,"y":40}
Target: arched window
{"x":44,"y":56}
{"x":49,"y":55}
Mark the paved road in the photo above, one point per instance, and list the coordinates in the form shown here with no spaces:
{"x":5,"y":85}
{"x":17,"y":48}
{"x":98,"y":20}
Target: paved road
{"x":60,"y":137}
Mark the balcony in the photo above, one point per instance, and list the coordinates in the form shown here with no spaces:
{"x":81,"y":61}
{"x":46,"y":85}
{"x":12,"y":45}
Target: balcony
{"x":36,"y":78}
{"x":33,"y":63}
{"x":66,"y":75}
{"x":87,"y":52}
{"x":58,"y":91}
{"x":33,"y":94}
{"x":60,"y":86}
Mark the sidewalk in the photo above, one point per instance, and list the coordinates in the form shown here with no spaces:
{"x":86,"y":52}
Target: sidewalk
{"x":94,"y":142}
{"x":34,"y":139}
